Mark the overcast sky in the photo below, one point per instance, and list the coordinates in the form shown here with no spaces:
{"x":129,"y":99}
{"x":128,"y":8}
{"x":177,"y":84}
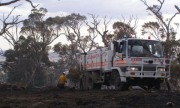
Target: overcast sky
{"x":114,"y":9}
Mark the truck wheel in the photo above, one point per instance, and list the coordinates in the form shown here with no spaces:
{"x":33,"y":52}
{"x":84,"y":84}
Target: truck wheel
{"x":117,"y":82}
{"x":120,"y":85}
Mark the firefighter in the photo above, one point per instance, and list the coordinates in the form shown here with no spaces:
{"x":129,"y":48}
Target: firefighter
{"x":62,"y":81}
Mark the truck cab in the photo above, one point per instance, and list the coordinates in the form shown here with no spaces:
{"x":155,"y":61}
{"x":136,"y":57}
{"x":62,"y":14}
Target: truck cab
{"x":140,"y":62}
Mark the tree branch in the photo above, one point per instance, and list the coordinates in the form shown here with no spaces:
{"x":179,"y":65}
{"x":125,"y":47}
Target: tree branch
{"x":172,"y":18}
{"x":177,"y":8}
{"x":8,"y":3}
{"x":14,"y":1}
{"x":32,"y":4}
{"x":161,"y":4}
{"x":7,"y":25}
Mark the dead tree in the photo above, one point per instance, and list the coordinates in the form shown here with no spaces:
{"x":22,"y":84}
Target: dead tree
{"x":4,"y":32}
{"x":156,"y":10}
{"x":95,"y":25}
{"x":7,"y":25}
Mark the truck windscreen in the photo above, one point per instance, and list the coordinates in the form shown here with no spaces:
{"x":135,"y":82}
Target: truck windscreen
{"x":144,"y":48}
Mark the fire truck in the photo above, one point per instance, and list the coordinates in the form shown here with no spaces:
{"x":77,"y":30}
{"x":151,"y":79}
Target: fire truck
{"x":126,"y":62}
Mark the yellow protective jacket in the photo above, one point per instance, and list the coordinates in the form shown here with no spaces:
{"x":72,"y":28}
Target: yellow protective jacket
{"x":62,"y":79}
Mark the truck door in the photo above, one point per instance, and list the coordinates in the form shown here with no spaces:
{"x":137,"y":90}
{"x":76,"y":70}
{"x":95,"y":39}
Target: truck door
{"x":119,"y":53}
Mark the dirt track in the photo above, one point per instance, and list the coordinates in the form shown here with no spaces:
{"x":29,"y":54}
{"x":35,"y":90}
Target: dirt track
{"x":88,"y":99}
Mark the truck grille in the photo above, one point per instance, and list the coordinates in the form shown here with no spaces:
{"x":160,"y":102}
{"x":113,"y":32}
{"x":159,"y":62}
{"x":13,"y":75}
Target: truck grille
{"x":149,"y":68}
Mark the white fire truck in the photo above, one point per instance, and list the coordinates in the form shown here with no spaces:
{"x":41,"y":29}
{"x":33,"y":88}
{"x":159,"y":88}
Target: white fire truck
{"x":126,"y":62}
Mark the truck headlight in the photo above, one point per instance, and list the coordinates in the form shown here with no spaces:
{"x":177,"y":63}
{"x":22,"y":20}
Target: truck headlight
{"x":161,"y":69}
{"x":132,"y":68}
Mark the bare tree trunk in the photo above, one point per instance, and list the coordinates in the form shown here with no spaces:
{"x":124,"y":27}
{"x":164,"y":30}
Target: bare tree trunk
{"x":30,"y":83}
{"x":35,"y":65}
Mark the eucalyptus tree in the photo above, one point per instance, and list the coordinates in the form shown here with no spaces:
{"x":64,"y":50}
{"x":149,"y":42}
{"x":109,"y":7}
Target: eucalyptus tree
{"x":74,"y":27}
{"x":166,"y":24}
{"x":19,"y":63}
{"x":122,"y":29}
{"x":42,"y":32}
{"x":153,"y":29}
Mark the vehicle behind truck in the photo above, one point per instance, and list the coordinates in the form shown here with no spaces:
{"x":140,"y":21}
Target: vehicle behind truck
{"x":126,"y":62}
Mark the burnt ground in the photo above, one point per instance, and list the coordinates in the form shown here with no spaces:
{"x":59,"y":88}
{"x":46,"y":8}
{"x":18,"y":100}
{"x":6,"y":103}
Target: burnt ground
{"x":54,"y":98}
